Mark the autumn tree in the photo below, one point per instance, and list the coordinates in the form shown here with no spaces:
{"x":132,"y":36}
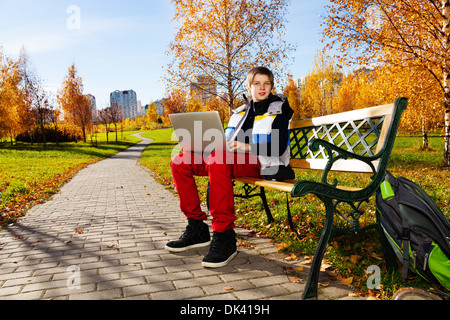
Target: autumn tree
{"x":10,"y":78}
{"x":152,"y":115}
{"x":219,"y":105}
{"x":26,"y":117}
{"x":176,"y":102}
{"x":320,"y":86}
{"x":360,"y":89}
{"x":42,"y":107}
{"x":223,"y":39}
{"x":422,"y":115}
{"x":292,"y":93}
{"x":409,"y":33}
{"x":104,"y":117}
{"x":116,"y":115}
{"x":75,"y":104}
{"x":35,"y":106}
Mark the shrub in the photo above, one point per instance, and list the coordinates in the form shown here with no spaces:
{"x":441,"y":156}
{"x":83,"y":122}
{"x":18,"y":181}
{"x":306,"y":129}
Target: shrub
{"x":65,"y":133}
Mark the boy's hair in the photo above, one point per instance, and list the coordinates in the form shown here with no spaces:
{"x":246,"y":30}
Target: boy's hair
{"x":260,"y":70}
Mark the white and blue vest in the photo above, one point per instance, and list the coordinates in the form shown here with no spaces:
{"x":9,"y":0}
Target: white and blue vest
{"x":263,"y":132}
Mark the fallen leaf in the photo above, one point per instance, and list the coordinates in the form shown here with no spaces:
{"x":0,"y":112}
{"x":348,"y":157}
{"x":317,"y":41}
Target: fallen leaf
{"x":299,"y":269}
{"x":376,"y":256}
{"x":79,"y":230}
{"x":331,"y":272}
{"x":295,"y":279}
{"x":324,"y":266}
{"x":131,"y":265}
{"x":324,"y":284}
{"x":346,"y":281}
{"x":228,"y":288}
{"x":352,"y":294}
{"x":354,"y":258}
{"x":307,"y":261}
{"x":292,"y":257}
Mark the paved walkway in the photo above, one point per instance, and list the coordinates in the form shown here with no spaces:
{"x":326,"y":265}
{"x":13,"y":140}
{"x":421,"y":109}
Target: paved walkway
{"x":103,"y":237}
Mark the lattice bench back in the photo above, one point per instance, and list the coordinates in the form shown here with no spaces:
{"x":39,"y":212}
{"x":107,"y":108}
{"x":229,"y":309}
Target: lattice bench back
{"x":361,"y":132}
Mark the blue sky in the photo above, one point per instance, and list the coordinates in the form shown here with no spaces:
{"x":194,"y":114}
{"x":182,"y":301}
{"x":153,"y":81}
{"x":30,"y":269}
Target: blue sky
{"x":121,"y":45}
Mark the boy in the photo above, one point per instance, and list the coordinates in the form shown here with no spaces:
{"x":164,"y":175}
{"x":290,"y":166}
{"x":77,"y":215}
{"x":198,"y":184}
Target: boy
{"x":258,"y":133}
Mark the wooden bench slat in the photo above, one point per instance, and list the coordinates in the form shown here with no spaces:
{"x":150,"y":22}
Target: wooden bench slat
{"x":285,"y":186}
{"x":345,"y":116}
{"x":350,"y":165}
{"x":383,"y":134}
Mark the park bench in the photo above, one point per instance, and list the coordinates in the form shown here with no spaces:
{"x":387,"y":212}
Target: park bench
{"x":358,"y":141}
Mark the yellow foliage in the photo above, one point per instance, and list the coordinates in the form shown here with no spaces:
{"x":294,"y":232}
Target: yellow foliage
{"x":223,"y":40}
{"x":74,"y":103}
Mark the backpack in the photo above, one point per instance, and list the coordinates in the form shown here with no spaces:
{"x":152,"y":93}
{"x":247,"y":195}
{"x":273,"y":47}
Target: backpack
{"x":410,"y":219}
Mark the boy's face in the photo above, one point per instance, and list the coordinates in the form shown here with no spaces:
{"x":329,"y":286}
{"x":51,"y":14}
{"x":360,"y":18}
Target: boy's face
{"x":260,"y":87}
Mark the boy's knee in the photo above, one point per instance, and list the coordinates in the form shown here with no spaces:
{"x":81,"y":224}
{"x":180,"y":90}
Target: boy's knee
{"x":217,"y":158}
{"x":177,"y":160}
{"x":182,"y":159}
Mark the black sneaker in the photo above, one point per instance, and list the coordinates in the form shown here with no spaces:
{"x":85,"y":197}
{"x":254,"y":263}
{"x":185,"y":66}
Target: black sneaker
{"x":223,"y":250}
{"x":196,"y":236}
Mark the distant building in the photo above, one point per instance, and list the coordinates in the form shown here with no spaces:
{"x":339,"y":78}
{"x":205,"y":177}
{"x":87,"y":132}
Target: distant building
{"x":139,"y":108}
{"x":144,"y":110}
{"x":160,"y":107}
{"x":127,"y":101}
{"x":300,"y":83}
{"x":204,"y":90}
{"x":93,"y":106}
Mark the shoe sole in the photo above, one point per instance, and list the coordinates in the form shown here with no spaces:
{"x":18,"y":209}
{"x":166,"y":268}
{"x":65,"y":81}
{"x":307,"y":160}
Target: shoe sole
{"x":193,"y":246}
{"x":219,"y":264}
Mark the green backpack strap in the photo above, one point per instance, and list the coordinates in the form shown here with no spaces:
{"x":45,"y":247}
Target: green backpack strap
{"x":386,"y":191}
{"x":406,"y":230}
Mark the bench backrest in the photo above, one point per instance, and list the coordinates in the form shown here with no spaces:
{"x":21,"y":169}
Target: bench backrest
{"x":364,"y":132}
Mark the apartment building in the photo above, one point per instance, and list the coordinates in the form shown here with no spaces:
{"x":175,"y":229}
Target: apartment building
{"x":127,"y":101}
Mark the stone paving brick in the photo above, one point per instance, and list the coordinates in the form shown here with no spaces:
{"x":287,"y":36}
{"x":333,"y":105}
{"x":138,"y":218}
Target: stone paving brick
{"x":180,"y":294}
{"x":124,"y":219}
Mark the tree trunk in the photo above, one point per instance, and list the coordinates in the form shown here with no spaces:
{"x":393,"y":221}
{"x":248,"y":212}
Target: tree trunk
{"x":447,"y":131}
{"x":446,"y":69}
{"x":43,"y":137}
{"x":424,"y":137}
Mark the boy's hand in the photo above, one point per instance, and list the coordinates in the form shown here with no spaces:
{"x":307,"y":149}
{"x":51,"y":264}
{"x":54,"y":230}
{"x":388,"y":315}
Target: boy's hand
{"x":236,"y":145}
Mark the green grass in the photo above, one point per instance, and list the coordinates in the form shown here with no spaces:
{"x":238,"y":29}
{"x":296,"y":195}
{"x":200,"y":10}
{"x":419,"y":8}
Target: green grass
{"x":29,"y":174}
{"x":350,"y":256}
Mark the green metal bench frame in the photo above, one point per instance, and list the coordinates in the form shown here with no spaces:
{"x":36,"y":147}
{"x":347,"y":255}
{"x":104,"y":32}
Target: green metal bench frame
{"x":354,"y":141}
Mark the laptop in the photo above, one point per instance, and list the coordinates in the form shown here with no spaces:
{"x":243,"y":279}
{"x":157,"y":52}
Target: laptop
{"x":199,"y":132}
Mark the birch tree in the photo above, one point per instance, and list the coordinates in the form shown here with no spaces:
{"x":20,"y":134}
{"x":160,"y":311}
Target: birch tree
{"x":407,"y":33}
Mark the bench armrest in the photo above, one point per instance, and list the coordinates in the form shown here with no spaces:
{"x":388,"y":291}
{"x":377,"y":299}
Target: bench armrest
{"x":341,"y":154}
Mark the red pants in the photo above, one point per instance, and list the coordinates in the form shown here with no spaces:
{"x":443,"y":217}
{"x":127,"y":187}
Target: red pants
{"x":221,"y":168}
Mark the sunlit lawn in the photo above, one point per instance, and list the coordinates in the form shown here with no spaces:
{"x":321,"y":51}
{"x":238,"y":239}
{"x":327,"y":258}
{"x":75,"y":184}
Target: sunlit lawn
{"x":29,"y":174}
{"x":350,"y":256}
